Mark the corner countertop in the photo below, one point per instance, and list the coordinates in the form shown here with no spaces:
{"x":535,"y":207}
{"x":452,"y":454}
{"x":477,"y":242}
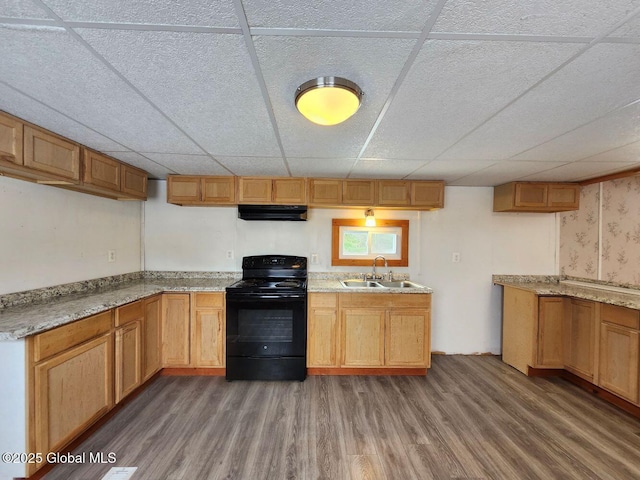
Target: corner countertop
{"x":44,"y":309}
{"x":602,"y":292}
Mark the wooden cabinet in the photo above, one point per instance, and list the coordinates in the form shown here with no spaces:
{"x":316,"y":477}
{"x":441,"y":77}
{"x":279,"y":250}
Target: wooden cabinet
{"x":325,"y":192}
{"x":385,"y":330}
{"x":427,"y":194}
{"x":175,"y":329}
{"x":394,"y":193}
{"x":536,"y":197}
{"x":152,"y":337}
{"x":52,"y":155}
{"x":619,"y":351}
{"x":532,"y":330}
{"x":11,"y":131}
{"x":70,"y":381}
{"x":133,"y":183}
{"x":129,"y":321}
{"x":581,"y":339}
{"x":201,"y":190}
{"x":322,"y":332}
{"x":358,"y":192}
{"x":422,"y":195}
{"x":207,"y":330}
{"x":101,"y":171}
{"x":266,"y":190}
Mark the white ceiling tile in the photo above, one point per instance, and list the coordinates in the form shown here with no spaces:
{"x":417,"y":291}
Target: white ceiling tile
{"x":384,"y":168}
{"x":455,"y":85}
{"x":320,"y":167}
{"x":220,"y":13}
{"x":373,"y":64}
{"x":539,"y":17}
{"x":387,"y":15}
{"x":577,"y":171}
{"x":449,"y":170}
{"x":135,"y":159}
{"x":626,"y":153}
{"x":260,"y":166}
{"x":21,"y":9}
{"x":13,"y":102}
{"x":188,"y":164}
{"x":629,"y":29}
{"x":56,"y":69}
{"x":503,"y":172}
{"x":619,"y":128}
{"x":204,"y":82}
{"x":601,"y":80}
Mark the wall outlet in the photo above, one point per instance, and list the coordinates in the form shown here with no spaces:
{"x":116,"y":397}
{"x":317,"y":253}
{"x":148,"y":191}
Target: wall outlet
{"x":455,"y":257}
{"x":111,"y":256}
{"x":229,"y":253}
{"x":314,"y":259}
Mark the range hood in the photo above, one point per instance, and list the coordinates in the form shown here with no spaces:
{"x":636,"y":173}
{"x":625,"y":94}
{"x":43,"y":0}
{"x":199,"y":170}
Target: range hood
{"x":273,"y":212}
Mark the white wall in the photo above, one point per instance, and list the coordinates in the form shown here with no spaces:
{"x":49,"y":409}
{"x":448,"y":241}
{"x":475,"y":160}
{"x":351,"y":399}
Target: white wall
{"x":466,"y":315}
{"x":50,"y":236}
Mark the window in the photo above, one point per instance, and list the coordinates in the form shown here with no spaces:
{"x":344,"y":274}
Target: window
{"x":357,"y":245}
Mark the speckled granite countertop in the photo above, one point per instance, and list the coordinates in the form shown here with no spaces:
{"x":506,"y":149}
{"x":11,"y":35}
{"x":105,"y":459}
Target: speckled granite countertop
{"x":27,"y":313}
{"x":577,"y":288}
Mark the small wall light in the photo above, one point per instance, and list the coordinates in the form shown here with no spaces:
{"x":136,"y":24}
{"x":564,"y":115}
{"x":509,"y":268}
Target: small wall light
{"x":370,"y":219}
{"x":328,"y":100}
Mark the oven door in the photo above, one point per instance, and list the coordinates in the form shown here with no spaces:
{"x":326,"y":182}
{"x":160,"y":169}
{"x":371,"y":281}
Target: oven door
{"x":265,"y":325}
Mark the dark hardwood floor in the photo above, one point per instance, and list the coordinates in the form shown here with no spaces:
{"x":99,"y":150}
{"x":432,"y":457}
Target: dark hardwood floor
{"x":470,"y":418}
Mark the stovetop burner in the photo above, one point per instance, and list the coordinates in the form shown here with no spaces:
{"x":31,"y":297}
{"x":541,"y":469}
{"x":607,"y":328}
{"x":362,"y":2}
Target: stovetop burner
{"x":274,"y":273}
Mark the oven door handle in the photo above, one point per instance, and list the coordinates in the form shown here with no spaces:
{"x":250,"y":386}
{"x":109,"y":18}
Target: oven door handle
{"x":260,"y":296}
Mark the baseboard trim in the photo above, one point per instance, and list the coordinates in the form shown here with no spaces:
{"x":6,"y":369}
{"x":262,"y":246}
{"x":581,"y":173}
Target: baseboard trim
{"x":188,"y":372}
{"x":367,"y":371}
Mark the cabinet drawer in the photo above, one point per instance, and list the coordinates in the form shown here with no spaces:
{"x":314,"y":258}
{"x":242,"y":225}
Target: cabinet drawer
{"x":384,"y":300}
{"x":62,"y":338}
{"x":323,"y":300}
{"x":129,"y":313}
{"x":201,"y":300}
{"x":625,"y":317}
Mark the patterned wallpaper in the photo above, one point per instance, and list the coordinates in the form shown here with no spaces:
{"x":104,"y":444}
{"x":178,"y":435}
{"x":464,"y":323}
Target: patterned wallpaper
{"x":619,"y":249}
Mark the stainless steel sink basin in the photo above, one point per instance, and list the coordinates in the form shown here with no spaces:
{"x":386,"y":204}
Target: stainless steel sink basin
{"x":400,"y":284}
{"x":360,"y":284}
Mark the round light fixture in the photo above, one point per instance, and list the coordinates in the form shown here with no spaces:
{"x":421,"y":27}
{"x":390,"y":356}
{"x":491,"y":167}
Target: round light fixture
{"x":328,"y":100}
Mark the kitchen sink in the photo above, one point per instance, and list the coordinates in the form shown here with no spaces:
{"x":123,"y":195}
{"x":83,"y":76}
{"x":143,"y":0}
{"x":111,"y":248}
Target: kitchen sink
{"x":379,"y":284}
{"x":400,"y":284}
{"x":360,"y":284}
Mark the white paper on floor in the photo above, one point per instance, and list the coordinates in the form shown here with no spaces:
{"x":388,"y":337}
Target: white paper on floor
{"x":120,"y":473}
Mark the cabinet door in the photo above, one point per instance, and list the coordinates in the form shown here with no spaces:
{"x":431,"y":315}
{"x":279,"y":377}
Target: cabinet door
{"x":550,"y":316}
{"x":406,"y":338}
{"x":427,"y":194}
{"x":128,"y":359}
{"x":619,"y":361}
{"x":530,"y":195}
{"x":580,"y":339}
{"x":183,"y":189}
{"x":358,"y":192}
{"x":101,"y":171}
{"x":152,"y":337}
{"x":219,"y":190}
{"x":563,"y":197}
{"x":72,"y":390}
{"x":51,"y":154}
{"x":394,"y":193}
{"x":290,"y":191}
{"x":10,"y":139}
{"x":325,"y":191}
{"x":208,"y":330}
{"x":175,"y":329}
{"x":363,"y":337}
{"x":254,"y":190}
{"x":133,"y":182}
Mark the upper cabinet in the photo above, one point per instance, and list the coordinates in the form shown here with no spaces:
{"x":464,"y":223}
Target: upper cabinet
{"x":266,"y":190}
{"x":422,"y":195}
{"x":201,"y":190}
{"x":325,"y":192}
{"x":536,"y":197}
{"x":359,"y":192}
{"x":31,"y":153}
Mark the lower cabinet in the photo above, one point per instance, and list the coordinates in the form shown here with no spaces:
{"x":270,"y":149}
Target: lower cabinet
{"x":128,"y":356}
{"x":193,"y":330}
{"x":152,"y":337}
{"x":362,"y":337}
{"x":580,"y":340}
{"x":322,"y":330}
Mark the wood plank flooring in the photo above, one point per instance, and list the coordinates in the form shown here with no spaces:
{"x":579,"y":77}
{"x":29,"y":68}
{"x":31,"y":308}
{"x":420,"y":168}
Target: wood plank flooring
{"x":470,"y":418}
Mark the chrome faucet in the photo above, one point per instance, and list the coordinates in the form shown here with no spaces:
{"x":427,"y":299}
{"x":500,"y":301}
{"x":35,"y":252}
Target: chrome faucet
{"x":374,"y":275}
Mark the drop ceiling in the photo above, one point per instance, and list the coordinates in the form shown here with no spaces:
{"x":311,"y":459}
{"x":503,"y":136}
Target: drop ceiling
{"x":476,"y":93}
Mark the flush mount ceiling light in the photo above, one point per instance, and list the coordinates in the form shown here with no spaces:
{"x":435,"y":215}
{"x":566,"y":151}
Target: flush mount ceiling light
{"x":328,"y":100}
{"x":370,"y":219}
